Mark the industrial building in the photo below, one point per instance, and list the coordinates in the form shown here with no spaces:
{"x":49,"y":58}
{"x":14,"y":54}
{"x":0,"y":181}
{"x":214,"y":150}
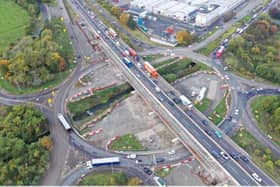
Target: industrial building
{"x":202,"y":12}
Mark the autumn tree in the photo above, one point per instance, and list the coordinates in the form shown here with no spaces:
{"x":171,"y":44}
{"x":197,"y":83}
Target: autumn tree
{"x":124,"y":17}
{"x":116,"y":11}
{"x":134,"y":181}
{"x":183,"y":37}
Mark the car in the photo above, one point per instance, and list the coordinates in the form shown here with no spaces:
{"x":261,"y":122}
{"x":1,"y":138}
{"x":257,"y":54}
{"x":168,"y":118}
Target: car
{"x":225,"y":68}
{"x":244,"y":158}
{"x":204,"y":122}
{"x":226,"y":77}
{"x":236,"y":112}
{"x":229,"y":118}
{"x":209,"y":132}
{"x":159,"y":159}
{"x":172,"y":93}
{"x":172,"y":152}
{"x":257,"y":177}
{"x":138,"y":161}
{"x":170,"y":103}
{"x":177,"y":100}
{"x":234,"y":155}
{"x":224,"y":155}
{"x":161,"y":99}
{"x":147,"y":170}
{"x":215,"y":154}
{"x":218,"y":134}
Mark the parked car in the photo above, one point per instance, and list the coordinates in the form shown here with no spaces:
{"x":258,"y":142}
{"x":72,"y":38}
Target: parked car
{"x":159,"y":159}
{"x":172,"y":152}
{"x":147,"y":170}
{"x":138,"y":161}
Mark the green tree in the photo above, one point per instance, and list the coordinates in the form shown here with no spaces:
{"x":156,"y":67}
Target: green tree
{"x":269,"y":165}
{"x":277,"y":163}
{"x":134,"y":181}
{"x":131,"y":23}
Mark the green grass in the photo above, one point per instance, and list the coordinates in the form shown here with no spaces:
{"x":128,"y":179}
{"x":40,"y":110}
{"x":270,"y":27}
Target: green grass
{"x":163,"y":172}
{"x":99,"y":97}
{"x":104,"y":179}
{"x":180,"y":69}
{"x":262,"y":117}
{"x":257,"y":152}
{"x":13,"y":20}
{"x":219,"y":112}
{"x":127,"y":142}
{"x":152,"y":57}
{"x":203,"y":105}
{"x":157,"y":65}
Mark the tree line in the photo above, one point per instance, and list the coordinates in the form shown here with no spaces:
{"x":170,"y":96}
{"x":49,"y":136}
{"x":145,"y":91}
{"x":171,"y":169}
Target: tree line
{"x":24,"y":152}
{"x":34,"y":61}
{"x":256,"y":52}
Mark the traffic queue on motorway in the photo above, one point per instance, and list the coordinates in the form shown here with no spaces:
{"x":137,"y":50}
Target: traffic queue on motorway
{"x":137,"y":67}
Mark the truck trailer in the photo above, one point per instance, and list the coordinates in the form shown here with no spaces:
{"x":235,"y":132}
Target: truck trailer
{"x":186,"y":102}
{"x":148,"y":67}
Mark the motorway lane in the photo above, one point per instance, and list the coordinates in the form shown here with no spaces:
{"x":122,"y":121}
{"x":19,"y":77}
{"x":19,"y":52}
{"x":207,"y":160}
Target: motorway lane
{"x":113,"y":46}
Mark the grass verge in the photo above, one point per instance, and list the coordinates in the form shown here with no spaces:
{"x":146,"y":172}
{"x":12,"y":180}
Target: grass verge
{"x":166,"y":62}
{"x":128,"y":142}
{"x":13,"y":21}
{"x":203,"y":105}
{"x":262,"y":117}
{"x":219,"y":112}
{"x":152,"y":57}
{"x":260,"y":155}
{"x":180,"y":69}
{"x":104,"y":179}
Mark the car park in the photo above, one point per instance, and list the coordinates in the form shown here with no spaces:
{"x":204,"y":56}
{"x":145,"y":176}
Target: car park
{"x":224,"y":155}
{"x":256,"y":177}
{"x":147,"y":170}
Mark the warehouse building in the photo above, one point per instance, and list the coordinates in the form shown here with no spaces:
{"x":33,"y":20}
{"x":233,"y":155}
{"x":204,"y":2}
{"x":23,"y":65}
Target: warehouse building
{"x":204,"y":12}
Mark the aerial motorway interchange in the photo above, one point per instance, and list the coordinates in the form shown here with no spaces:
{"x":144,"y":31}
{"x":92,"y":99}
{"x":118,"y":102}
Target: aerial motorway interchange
{"x":105,"y":117}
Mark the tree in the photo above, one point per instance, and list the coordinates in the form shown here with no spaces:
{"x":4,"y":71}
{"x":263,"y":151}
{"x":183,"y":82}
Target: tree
{"x":273,"y":29}
{"x":116,"y":11}
{"x":183,"y":37}
{"x":46,"y":142}
{"x":277,"y":163}
{"x":124,"y":17}
{"x":134,"y":181}
{"x":269,"y":165}
{"x":131,"y":23}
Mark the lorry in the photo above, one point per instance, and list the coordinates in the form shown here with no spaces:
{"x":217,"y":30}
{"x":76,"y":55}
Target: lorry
{"x":132,"y":52}
{"x":148,"y":67}
{"x":220,"y":52}
{"x":186,"y":102}
{"x":127,"y":62}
